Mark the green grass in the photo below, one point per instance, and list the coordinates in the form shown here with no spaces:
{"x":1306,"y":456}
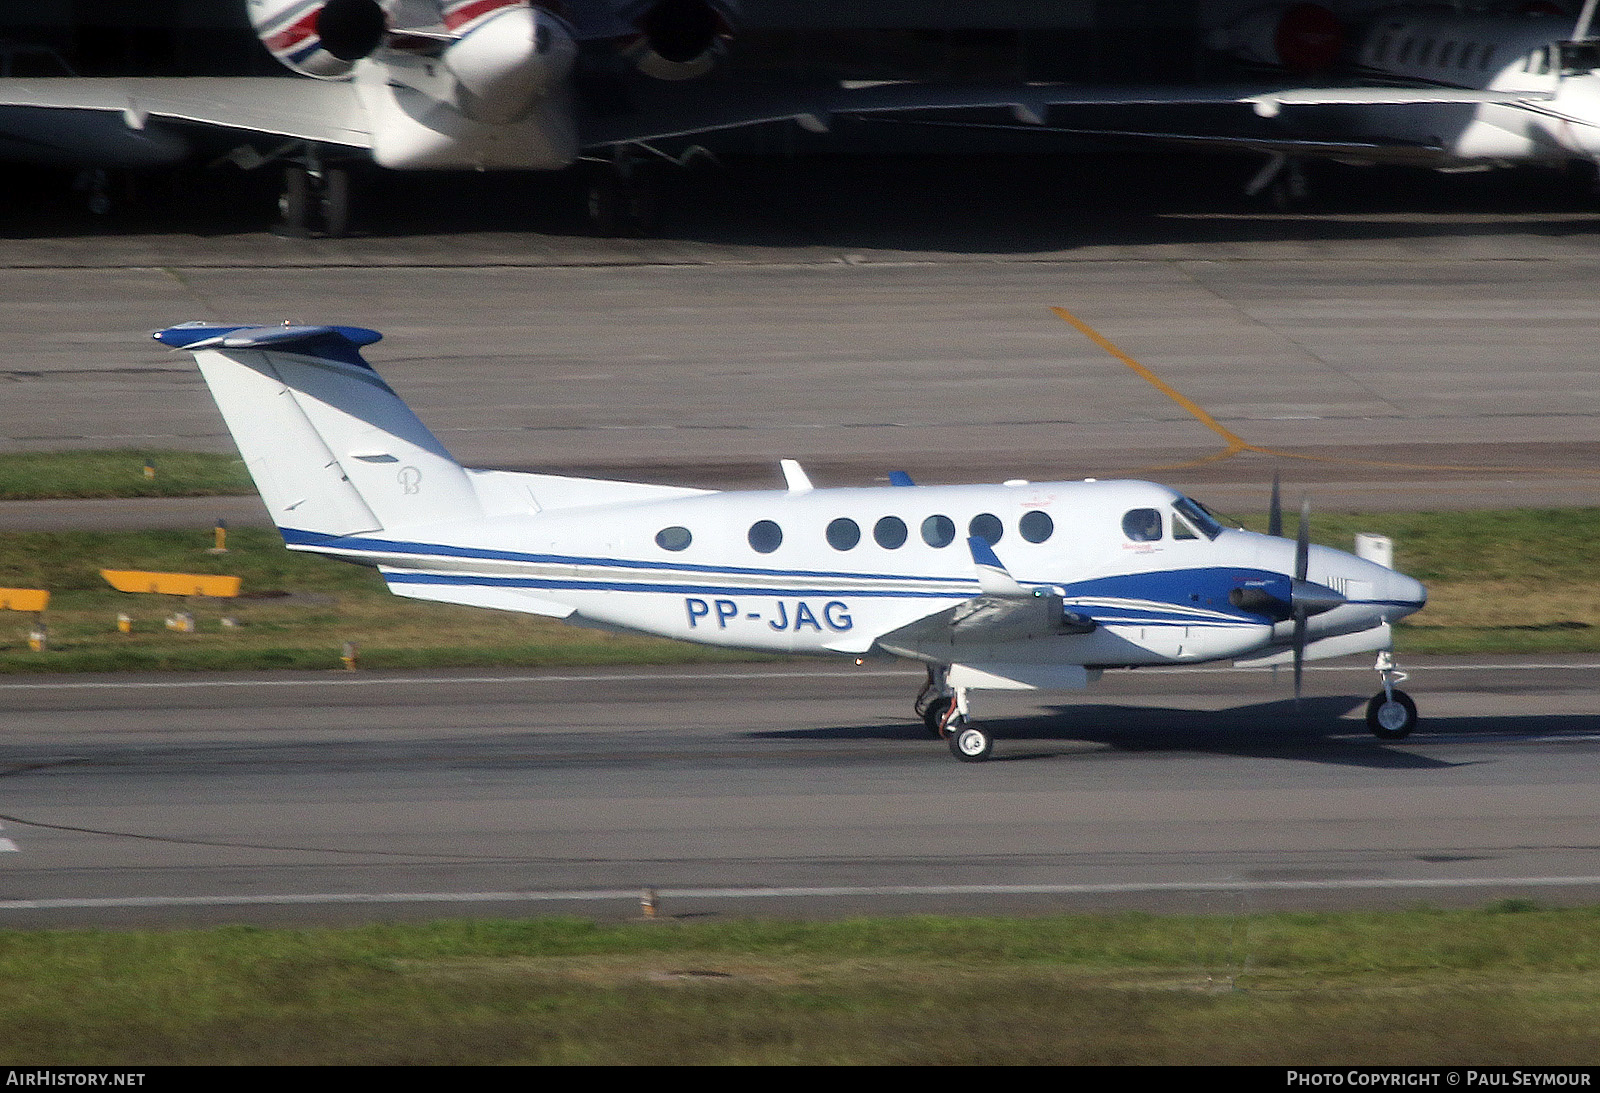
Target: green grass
{"x":327,"y":604}
{"x":1502,"y":985}
{"x":28,"y":476}
{"x":1499,"y":582}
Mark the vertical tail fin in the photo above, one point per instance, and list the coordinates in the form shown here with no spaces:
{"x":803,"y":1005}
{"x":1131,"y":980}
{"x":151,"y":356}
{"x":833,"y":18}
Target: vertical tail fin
{"x":332,"y":449}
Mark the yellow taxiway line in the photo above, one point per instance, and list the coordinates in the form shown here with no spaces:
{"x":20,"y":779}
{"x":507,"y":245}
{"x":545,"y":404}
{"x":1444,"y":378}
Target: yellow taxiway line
{"x":1234,"y":444}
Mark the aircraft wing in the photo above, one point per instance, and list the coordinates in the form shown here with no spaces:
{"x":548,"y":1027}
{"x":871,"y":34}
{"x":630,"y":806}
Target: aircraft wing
{"x":665,"y":110}
{"x":668,"y":110}
{"x":1033,"y":99}
{"x":319,"y":110}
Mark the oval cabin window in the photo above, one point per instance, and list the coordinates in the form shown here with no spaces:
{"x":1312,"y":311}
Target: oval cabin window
{"x":765,"y":536}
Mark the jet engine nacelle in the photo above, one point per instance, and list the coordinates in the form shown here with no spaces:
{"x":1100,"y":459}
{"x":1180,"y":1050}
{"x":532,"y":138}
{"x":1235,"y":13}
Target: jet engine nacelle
{"x":682,"y":39}
{"x":508,"y":55}
{"x":321,"y":38}
{"x":1298,"y":37}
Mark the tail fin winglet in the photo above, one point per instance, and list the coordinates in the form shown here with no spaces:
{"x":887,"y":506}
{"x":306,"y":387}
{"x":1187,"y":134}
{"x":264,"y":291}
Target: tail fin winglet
{"x":336,"y":342}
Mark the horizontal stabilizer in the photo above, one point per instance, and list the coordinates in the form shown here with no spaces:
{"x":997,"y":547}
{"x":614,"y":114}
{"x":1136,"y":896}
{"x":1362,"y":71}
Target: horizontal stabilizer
{"x":463,"y":590}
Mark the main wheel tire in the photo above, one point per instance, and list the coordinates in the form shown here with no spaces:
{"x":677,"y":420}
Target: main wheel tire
{"x":933,"y":714}
{"x":605,"y":207}
{"x":294,"y":204}
{"x":970,"y":743}
{"x":1391,"y":719}
{"x":336,"y":202}
{"x":641,"y":215}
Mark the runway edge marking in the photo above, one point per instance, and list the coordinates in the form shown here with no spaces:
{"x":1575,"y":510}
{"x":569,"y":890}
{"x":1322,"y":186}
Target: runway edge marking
{"x":371,"y":681}
{"x":825,"y":891}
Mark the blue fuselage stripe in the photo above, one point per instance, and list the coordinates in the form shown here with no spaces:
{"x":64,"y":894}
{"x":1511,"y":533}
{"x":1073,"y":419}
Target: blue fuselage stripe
{"x":436,"y":550}
{"x":1180,"y":597}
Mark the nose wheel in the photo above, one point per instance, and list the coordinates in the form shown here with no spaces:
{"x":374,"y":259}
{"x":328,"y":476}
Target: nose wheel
{"x":1391,"y":715}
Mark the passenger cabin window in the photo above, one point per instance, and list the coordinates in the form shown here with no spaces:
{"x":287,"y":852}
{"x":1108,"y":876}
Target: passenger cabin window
{"x":986,"y":527}
{"x":938,"y":531}
{"x":1405,"y":51}
{"x":1447,"y":54}
{"x":843,"y":534}
{"x":765,"y":536}
{"x":1467,"y":53}
{"x":1142,"y":525}
{"x":1036,"y":526}
{"x":890,"y":533}
{"x":674,"y":538}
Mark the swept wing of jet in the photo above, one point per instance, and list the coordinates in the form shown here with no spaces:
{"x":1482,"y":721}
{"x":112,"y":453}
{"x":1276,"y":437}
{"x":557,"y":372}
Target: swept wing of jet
{"x":1020,"y":585}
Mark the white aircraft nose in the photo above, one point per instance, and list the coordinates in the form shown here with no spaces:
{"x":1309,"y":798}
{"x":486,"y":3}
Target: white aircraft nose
{"x":1406,"y":593}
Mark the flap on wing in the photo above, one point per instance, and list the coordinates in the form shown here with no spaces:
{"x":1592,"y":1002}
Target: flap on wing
{"x":990,"y":620}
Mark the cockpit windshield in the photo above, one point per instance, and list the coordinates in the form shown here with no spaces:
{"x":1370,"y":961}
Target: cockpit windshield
{"x":1196,"y":513}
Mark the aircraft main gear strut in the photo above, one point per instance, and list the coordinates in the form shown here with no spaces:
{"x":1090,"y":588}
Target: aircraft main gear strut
{"x":1391,"y":715}
{"x":315,"y":198}
{"x":1283,"y":182}
{"x":622,"y":197}
{"x":933,"y":701}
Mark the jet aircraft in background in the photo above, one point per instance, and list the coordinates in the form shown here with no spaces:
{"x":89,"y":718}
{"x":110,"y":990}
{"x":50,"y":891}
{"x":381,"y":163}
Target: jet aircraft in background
{"x":419,"y":85}
{"x":505,"y":85}
{"x":1023,"y":585}
{"x":1535,"y":66}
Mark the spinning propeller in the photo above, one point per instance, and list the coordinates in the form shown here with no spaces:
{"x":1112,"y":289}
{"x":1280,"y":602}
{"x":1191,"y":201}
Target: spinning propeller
{"x":1306,"y":597}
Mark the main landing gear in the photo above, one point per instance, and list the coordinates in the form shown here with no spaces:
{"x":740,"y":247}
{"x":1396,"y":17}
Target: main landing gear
{"x":621,"y":197}
{"x":1391,"y":715}
{"x":1282,"y":182}
{"x":943,"y":710}
{"x":315,"y":200}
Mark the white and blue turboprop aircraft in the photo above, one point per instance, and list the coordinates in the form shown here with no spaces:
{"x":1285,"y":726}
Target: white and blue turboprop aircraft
{"x":1024,"y":585}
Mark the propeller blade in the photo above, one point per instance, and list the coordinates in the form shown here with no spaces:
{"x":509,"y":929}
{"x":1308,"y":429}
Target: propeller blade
{"x":1302,"y":564}
{"x":1299,"y":651}
{"x":1302,"y":545}
{"x":1275,"y":512}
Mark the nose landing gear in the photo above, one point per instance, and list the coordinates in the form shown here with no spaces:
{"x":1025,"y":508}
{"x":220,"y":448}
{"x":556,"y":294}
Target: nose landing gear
{"x":1391,"y":715}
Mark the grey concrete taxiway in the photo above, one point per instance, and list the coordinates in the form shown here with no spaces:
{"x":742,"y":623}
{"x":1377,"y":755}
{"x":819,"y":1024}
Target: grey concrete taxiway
{"x":1420,"y":361}
{"x":784,"y":790}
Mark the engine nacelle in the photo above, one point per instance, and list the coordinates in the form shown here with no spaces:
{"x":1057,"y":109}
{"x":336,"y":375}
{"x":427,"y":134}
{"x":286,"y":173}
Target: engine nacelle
{"x":321,"y":38}
{"x":682,"y":39}
{"x":1299,"y":37}
{"x":508,"y":54}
